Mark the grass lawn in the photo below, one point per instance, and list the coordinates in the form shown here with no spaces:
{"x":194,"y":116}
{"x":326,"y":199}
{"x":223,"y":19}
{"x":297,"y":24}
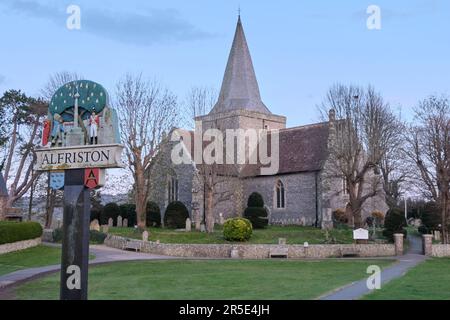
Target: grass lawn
{"x":29,"y":258}
{"x":219,"y":279}
{"x":429,"y":280}
{"x":293,"y":234}
{"x":39,"y":256}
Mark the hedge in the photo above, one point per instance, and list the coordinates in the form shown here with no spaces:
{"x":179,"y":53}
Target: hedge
{"x":257,"y":216}
{"x":176,"y":215}
{"x":95,"y":237}
{"x":110,"y":210}
{"x":153,"y":216}
{"x":394,"y":222}
{"x":18,"y":231}
{"x":128,"y":211}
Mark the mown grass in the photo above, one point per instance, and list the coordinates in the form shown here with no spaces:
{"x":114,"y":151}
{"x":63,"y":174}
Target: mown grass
{"x":429,"y":280}
{"x":293,"y":234}
{"x":218,"y":279}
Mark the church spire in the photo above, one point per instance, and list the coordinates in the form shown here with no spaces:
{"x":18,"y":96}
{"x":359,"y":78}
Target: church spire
{"x":240,"y":89}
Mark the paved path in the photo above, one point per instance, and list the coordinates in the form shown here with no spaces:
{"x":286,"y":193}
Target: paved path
{"x":103,"y":254}
{"x":358,"y":289}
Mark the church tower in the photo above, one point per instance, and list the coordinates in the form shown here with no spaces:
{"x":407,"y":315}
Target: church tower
{"x":239,"y":105}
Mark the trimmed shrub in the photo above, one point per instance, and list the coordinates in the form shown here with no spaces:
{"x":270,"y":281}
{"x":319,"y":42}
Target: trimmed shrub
{"x":370,"y":221}
{"x":153,"y":216}
{"x":176,"y":215}
{"x":257,"y":216}
{"x":110,"y":210}
{"x":18,"y":231}
{"x":237,"y":229}
{"x":255,"y":200}
{"x":394,"y":222}
{"x":423,"y":230}
{"x":128,"y":211}
{"x":95,"y":237}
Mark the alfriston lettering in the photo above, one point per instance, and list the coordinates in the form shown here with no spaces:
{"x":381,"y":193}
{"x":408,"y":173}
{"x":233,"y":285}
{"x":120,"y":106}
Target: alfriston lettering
{"x":76,"y":157}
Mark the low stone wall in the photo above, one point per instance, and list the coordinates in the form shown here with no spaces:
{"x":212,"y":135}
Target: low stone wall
{"x":440,"y":250}
{"x":255,"y":251}
{"x":19,"y":245}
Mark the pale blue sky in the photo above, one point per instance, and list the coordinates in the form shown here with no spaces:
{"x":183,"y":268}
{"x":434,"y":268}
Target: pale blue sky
{"x":299,"y":48}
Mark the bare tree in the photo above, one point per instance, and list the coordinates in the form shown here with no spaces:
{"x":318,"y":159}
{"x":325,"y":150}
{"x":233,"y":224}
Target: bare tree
{"x":24,"y":116}
{"x":428,"y":147}
{"x":147,"y":111}
{"x":199,"y":102}
{"x":364,"y":128}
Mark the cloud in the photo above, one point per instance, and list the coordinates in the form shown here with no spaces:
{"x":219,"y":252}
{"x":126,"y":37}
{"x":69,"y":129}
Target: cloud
{"x":144,"y":28}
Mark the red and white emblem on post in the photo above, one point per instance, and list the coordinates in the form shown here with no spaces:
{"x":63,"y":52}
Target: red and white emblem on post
{"x":94,"y":178}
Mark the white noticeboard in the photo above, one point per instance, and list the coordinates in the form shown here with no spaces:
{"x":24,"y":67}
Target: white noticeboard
{"x":361,"y":234}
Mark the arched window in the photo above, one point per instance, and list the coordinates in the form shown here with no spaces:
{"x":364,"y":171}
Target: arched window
{"x":172,"y":189}
{"x":280,"y":200}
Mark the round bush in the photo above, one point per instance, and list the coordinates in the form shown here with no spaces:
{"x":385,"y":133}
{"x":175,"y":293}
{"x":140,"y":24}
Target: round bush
{"x":394,"y":222}
{"x":237,"y":229}
{"x":97,"y":237}
{"x":153,"y":216}
{"x":176,"y":215}
{"x":110,"y":210}
{"x":255,"y":200}
{"x":257,"y":216}
{"x":18,"y":231}
{"x":128,"y":211}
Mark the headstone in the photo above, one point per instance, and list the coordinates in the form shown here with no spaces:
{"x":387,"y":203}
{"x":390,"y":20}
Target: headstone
{"x":202,"y":227}
{"x":94,"y":225}
{"x":125,"y":223}
{"x":110,"y":222}
{"x":234,"y":254}
{"x":145,"y":236}
{"x":221,"y":219}
{"x":282,"y":241}
{"x":119,"y":221}
{"x":360,"y":234}
{"x":105,"y":229}
{"x":188,"y":225}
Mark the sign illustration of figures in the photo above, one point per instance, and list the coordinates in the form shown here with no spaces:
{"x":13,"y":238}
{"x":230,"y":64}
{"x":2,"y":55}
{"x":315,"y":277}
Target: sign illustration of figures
{"x":80,"y":140}
{"x":94,"y":122}
{"x":57,"y":131}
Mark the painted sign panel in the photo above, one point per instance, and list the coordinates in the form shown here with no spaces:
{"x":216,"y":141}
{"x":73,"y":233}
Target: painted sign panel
{"x":57,"y":180}
{"x":94,"y":178}
{"x":79,"y":157}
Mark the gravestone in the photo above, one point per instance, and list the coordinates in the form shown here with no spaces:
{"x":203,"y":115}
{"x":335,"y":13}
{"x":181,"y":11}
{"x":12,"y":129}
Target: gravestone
{"x":221,"y":219}
{"x":145,"y":236}
{"x":94,"y":225}
{"x":188,"y":225}
{"x":125,"y":223}
{"x":281,"y":241}
{"x":110,"y":222}
{"x":105,"y":229}
{"x":119,"y":221}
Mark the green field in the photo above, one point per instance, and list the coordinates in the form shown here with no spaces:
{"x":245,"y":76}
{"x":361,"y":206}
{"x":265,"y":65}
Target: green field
{"x":39,"y":256}
{"x":220,"y":279}
{"x":293,"y":234}
{"x":430,"y":280}
{"x":29,"y":258}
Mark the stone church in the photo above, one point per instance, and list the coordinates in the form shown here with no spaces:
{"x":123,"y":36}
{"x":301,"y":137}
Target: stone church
{"x":298,"y":194}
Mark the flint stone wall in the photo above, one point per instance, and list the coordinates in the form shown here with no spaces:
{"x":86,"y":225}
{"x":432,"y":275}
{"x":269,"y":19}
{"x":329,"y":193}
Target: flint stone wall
{"x":19,"y":245}
{"x":440,"y":250}
{"x":255,"y":251}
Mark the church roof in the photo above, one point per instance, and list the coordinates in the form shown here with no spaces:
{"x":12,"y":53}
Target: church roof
{"x":301,"y":149}
{"x":239,"y":87}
